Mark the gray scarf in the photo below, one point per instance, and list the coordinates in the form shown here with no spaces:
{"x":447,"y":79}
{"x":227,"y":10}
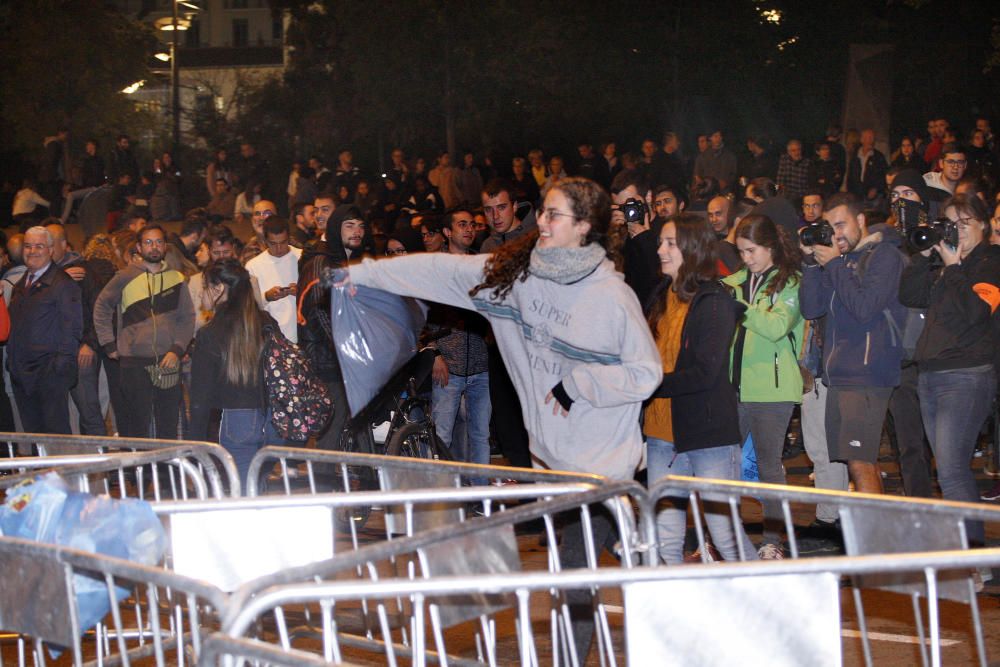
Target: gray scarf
{"x":566,"y":265}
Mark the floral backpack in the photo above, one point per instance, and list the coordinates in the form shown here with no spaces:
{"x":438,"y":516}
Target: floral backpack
{"x":300,"y":403}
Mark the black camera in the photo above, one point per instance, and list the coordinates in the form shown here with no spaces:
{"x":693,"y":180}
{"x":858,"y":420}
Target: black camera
{"x":928,"y":236}
{"x":909,"y":215}
{"x":634,"y":210}
{"x":817,"y":233}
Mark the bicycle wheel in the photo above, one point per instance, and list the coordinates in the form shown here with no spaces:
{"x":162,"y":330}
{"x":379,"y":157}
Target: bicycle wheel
{"x":417,"y":440}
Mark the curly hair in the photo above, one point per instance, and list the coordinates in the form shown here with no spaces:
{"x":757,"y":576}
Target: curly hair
{"x":589,"y":203}
{"x":100,"y":246}
{"x":761,"y":230}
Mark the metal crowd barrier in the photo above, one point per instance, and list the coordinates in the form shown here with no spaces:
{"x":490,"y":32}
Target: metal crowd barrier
{"x":154,"y":613}
{"x":483,"y":546}
{"x":214,"y":463}
{"x":179,"y":472}
{"x":775,"y":612}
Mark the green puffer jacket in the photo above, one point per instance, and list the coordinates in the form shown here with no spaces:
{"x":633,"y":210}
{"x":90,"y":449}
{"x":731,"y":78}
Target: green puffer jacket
{"x":770,"y":362}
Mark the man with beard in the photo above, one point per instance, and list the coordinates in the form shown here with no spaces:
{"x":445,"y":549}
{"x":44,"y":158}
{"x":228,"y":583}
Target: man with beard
{"x":344,"y":238}
{"x":155,"y":324}
{"x":720,"y":216}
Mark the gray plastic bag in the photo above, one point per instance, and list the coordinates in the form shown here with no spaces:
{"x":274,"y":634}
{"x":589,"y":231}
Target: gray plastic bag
{"x":375,"y":334}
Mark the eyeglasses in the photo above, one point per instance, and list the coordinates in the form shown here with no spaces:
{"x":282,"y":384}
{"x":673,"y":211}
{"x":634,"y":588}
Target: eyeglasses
{"x":955,"y":163}
{"x":263,"y":214}
{"x":151,"y":242}
{"x":398,"y":251}
{"x":551,"y":213}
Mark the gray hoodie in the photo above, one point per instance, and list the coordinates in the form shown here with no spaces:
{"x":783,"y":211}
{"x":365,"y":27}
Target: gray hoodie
{"x":590,"y":335}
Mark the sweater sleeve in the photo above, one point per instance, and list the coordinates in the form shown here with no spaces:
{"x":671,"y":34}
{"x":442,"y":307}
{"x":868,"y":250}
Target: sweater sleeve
{"x":104,"y":311}
{"x":632,"y":380}
{"x":439,"y":276}
{"x":712,"y":326}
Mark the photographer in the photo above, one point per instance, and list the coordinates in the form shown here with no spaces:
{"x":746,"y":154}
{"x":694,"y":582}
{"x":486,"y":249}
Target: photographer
{"x":909,"y":203}
{"x":853,"y":282}
{"x":956,"y":351}
{"x":632,"y":217}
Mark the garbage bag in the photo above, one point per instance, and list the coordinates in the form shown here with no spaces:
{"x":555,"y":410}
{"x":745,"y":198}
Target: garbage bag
{"x":46,"y":510}
{"x":375,"y":334}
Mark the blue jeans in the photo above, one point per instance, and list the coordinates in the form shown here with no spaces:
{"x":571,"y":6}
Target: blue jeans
{"x":954,"y":405}
{"x":445,"y":403}
{"x":242,"y":432}
{"x":671,"y":522}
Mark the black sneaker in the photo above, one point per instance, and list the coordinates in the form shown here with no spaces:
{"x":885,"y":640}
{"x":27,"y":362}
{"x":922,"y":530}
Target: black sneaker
{"x":993,"y":493}
{"x":821,"y":537}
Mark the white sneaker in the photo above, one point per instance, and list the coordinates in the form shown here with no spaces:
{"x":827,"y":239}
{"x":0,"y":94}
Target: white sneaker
{"x":770,"y":552}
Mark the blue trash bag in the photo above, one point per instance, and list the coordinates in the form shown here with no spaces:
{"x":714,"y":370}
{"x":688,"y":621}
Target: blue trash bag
{"x":375,"y":334}
{"x":748,"y":469}
{"x":46,"y":510}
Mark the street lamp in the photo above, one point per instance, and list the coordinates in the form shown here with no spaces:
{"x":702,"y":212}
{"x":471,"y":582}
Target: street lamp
{"x":174,"y":26}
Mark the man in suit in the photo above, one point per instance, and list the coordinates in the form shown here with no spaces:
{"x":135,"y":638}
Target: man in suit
{"x":46,"y":328}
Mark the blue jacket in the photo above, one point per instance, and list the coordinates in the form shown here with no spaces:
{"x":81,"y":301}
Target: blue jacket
{"x":862,"y":330}
{"x":46,"y":326}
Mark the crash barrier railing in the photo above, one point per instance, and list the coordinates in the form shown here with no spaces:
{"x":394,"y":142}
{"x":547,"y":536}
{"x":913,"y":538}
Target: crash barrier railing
{"x":172,"y":472}
{"x":178,"y":472}
{"x":214,"y":462}
{"x":51,"y":595}
{"x":774,"y":612}
{"x":290,"y":470}
{"x":876,"y":525}
{"x":215,"y":545}
{"x":575,"y":527}
{"x":218,"y":649}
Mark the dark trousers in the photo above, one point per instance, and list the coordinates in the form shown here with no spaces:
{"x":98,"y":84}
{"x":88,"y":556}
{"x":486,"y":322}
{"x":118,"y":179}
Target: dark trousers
{"x":507,"y":421}
{"x":152,"y":412}
{"x":113,"y":371}
{"x":573,"y":555}
{"x":45,"y":409}
{"x":330,"y":439}
{"x":87,"y":400}
{"x":914,"y":455}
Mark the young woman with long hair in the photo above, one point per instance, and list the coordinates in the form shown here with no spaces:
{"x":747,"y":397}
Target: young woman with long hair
{"x":226,"y":371}
{"x":765,"y":352}
{"x":691,"y":424}
{"x":570,"y":331}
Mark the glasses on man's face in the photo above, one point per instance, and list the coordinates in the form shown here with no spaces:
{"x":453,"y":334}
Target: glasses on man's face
{"x":397,"y":251}
{"x":951,"y":162}
{"x":149,"y":242}
{"x":263,"y":214}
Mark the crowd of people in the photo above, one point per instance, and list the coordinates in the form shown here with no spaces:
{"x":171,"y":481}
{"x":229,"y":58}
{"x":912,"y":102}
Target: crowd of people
{"x":587,"y":314}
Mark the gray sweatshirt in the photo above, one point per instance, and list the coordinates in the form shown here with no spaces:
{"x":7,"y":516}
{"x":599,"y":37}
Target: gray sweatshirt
{"x":590,"y":335}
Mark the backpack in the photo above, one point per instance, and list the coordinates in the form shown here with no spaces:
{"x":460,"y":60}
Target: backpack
{"x":299,"y":402}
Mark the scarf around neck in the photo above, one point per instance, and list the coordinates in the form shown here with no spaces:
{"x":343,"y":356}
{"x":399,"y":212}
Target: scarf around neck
{"x":566,"y":265}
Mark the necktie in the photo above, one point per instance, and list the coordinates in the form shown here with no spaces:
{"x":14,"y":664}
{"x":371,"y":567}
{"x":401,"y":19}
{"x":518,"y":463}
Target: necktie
{"x":29,"y":281}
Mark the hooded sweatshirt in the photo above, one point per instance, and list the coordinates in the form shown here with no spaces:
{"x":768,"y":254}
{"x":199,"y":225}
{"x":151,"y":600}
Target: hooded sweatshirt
{"x":589,"y":335}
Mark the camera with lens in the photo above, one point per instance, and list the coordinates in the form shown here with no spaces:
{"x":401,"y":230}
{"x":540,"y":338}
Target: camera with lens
{"x":634,"y":210}
{"x":928,"y":236}
{"x":909,"y":215}
{"x":817,"y":233}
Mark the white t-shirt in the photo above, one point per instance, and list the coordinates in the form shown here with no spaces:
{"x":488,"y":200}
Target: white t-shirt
{"x":271,"y":271}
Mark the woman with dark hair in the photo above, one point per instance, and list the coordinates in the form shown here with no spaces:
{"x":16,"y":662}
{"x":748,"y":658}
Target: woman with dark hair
{"x":226,"y":370}
{"x":907,"y":156}
{"x":765,"y":352}
{"x":217,"y":169}
{"x":691,"y":424}
{"x":957,"y":350}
